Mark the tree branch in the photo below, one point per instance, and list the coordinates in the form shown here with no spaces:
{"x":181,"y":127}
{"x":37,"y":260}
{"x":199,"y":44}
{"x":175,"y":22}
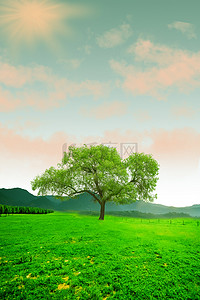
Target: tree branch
{"x":86,"y":191}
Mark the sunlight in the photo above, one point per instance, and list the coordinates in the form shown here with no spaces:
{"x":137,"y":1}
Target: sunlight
{"x":29,"y":20}
{"x":34,"y":17}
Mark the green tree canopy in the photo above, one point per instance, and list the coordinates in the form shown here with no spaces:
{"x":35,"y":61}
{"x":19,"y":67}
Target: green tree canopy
{"x":100,"y":171}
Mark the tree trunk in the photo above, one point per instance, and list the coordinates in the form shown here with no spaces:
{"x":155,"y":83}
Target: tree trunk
{"x":102,"y":211}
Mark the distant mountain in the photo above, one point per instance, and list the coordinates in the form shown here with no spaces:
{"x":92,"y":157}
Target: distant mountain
{"x":16,"y":197}
{"x":43,"y":202}
{"x":53,"y":199}
{"x":85,"y":202}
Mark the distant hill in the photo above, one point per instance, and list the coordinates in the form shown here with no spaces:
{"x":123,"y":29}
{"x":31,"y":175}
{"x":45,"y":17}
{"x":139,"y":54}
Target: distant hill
{"x":42,"y":202}
{"x":16,"y":197}
{"x":137,"y":214}
{"x":85,"y":202}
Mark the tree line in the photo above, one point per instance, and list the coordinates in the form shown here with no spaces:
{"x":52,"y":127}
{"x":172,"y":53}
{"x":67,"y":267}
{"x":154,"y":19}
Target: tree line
{"x":138,"y":214}
{"x":7,"y":210}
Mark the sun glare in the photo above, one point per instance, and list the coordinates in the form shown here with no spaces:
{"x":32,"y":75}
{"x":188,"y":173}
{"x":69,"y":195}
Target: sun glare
{"x":34,"y":17}
{"x":28,"y":20}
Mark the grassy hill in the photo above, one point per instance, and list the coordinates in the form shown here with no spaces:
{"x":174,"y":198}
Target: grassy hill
{"x":85,"y":202}
{"x":16,"y":196}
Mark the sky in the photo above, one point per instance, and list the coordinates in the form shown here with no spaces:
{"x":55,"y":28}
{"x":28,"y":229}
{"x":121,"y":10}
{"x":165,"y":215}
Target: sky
{"x":101,"y":71}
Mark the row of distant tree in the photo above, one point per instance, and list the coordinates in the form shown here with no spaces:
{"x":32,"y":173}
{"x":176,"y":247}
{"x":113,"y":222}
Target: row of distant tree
{"x":138,"y":214}
{"x":8,"y":210}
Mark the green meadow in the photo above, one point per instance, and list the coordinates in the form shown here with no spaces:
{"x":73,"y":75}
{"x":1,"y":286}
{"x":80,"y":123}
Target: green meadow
{"x":72,"y":256}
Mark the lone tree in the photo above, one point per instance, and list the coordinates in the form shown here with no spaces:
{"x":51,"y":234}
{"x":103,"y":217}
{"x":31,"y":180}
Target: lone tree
{"x":100,"y":171}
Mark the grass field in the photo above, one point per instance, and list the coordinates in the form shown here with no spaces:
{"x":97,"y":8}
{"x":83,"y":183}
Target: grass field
{"x":72,"y":256}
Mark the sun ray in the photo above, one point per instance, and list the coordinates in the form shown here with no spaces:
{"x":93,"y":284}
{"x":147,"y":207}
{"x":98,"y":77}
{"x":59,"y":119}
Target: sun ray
{"x":30,"y":20}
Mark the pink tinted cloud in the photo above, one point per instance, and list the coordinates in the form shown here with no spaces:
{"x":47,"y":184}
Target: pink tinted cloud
{"x":53,"y":92}
{"x":148,"y":52}
{"x":165,"y":68}
{"x":186,"y":28}
{"x":7,"y":101}
{"x":12,"y":76}
{"x":37,"y":150}
{"x":33,"y":98}
{"x":106,"y":110}
{"x":178,"y":146}
{"x":22,"y":158}
{"x":114,"y":36}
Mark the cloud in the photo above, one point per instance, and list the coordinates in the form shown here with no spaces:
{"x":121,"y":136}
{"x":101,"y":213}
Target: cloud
{"x":7,"y":101}
{"x":105,"y":110}
{"x":163,"y":68}
{"x":176,"y":149}
{"x":172,"y":147}
{"x":38,"y":87}
{"x":185,"y":28}
{"x":14,"y":77}
{"x":177,"y":146}
{"x":150,"y":53}
{"x":37,"y":151}
{"x":22,"y":158}
{"x":114,"y":37}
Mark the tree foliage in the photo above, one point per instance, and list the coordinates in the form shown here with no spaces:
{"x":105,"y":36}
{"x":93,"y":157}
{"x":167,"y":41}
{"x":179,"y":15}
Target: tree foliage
{"x":100,"y":171}
{"x":8,"y":209}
